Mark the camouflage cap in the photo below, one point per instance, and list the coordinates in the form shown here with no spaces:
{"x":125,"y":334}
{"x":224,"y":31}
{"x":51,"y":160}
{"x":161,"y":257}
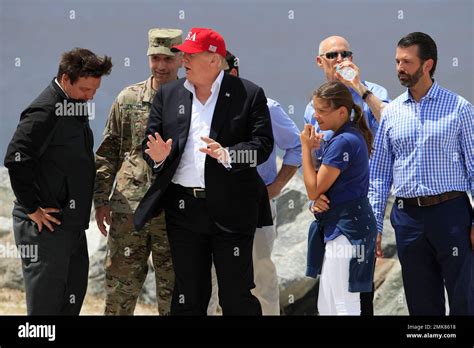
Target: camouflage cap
{"x":160,"y":40}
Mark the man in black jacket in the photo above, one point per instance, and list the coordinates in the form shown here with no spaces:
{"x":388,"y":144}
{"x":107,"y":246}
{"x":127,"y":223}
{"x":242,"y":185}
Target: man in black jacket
{"x":50,"y":161}
{"x":217,"y":129}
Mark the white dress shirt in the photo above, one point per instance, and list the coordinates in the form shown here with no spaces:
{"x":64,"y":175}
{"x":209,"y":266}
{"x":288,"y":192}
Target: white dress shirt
{"x":190,"y":171}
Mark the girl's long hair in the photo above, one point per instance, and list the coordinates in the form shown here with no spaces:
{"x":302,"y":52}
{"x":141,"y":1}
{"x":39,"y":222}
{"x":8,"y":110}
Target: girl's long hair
{"x":337,"y":95}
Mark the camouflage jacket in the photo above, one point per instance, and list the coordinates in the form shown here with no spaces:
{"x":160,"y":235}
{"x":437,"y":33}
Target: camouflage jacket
{"x":119,"y":158}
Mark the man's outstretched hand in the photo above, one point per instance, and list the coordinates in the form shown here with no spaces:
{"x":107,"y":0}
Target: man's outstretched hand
{"x":214,"y":149}
{"x":158,"y":150}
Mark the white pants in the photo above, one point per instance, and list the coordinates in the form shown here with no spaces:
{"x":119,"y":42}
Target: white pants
{"x":265,"y":276}
{"x":334,"y":297}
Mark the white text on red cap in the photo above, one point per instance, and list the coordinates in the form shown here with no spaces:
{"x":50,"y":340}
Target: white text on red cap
{"x":191,"y":36}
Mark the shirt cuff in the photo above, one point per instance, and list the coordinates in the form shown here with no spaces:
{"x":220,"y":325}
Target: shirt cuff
{"x":292,"y":159}
{"x":31,"y":209}
{"x":157,"y":165}
{"x":380,"y":225}
{"x":226,"y":160}
{"x":100,"y":202}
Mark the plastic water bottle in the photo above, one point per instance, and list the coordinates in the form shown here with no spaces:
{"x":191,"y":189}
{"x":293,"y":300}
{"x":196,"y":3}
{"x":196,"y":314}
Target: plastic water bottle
{"x":346,"y":72}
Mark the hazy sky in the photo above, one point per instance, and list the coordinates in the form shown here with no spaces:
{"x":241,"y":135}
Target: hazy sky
{"x":276,"y":42}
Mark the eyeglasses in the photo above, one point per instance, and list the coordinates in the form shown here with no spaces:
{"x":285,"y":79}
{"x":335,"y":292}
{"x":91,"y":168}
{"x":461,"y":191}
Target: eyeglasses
{"x":333,"y":55}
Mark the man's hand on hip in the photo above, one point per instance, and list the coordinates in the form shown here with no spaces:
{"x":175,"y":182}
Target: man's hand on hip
{"x":41,"y":217}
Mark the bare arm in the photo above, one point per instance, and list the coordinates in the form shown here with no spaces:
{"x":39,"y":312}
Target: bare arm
{"x":319,"y":182}
{"x":284,"y":175}
{"x":375,"y":104}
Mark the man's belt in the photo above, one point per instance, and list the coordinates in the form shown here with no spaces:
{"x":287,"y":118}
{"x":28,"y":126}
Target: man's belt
{"x":196,"y":192}
{"x":427,"y":201}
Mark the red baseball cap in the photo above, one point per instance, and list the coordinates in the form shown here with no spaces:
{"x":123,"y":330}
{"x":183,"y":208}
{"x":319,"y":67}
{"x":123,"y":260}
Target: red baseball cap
{"x":202,"y":40}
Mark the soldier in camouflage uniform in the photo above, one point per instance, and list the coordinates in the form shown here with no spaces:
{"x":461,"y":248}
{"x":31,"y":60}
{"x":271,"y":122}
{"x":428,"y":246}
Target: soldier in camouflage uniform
{"x":119,"y":160}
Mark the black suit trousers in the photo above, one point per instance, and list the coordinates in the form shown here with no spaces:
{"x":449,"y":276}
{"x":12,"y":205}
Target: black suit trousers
{"x":55,"y":269}
{"x":195,"y":241}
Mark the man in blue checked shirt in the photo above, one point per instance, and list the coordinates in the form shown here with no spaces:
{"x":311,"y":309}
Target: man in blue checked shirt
{"x":335,"y":51}
{"x":287,"y":138}
{"x":425,"y":148}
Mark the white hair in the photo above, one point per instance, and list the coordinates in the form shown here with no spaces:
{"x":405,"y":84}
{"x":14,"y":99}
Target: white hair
{"x":224,"y":65}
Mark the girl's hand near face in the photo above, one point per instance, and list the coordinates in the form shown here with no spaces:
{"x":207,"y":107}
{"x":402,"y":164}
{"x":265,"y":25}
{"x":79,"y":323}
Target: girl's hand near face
{"x":309,"y":138}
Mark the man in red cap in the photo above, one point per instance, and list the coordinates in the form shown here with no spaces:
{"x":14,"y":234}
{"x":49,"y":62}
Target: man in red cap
{"x":206,"y":135}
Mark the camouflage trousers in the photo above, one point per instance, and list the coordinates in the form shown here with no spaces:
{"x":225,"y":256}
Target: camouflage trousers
{"x":126,"y":264}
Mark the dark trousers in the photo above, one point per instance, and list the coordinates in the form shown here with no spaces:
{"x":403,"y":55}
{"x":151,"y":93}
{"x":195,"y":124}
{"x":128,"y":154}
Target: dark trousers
{"x":435,"y":252}
{"x":471,"y":308}
{"x":367,"y":301}
{"x":56,"y":278}
{"x":195,"y":241}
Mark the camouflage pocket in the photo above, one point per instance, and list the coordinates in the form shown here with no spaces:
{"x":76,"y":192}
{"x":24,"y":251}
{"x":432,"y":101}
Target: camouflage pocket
{"x":139,"y":120}
{"x":134,"y":178}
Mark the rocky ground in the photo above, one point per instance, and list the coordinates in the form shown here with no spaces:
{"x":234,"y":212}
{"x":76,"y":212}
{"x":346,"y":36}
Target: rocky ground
{"x":297,"y":292}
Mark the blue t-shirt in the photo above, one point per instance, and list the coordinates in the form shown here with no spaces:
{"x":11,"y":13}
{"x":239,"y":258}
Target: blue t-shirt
{"x":346,"y":151}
